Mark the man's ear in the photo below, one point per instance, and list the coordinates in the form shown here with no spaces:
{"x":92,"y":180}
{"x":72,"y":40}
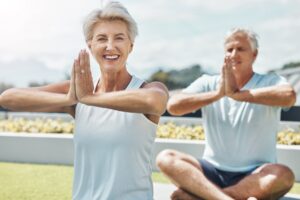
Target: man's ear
{"x":255,"y":53}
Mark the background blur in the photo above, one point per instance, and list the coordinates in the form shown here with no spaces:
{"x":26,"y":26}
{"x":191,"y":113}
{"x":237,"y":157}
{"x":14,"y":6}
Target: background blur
{"x":178,"y":40}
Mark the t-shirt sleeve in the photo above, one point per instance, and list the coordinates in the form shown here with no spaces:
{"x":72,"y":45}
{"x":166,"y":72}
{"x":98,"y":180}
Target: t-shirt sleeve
{"x":277,"y":80}
{"x":198,"y":86}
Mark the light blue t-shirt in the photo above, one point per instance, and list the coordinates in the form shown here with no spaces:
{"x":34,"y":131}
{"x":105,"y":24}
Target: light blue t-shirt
{"x":113,"y":151}
{"x":239,"y":135}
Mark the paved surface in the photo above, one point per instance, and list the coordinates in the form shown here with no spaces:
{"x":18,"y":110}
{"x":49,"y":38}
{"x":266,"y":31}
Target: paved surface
{"x":163,"y":192}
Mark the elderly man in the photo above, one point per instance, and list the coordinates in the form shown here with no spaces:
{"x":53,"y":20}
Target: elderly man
{"x":241,"y":113}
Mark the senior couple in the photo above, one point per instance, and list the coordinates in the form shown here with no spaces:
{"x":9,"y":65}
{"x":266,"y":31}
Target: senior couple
{"x":116,"y":117}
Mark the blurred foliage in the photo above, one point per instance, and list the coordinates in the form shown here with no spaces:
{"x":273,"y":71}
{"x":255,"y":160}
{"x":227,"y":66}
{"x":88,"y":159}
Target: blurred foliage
{"x":175,"y":79}
{"x":38,"y":84}
{"x":5,"y":86}
{"x":168,"y":130}
{"x":38,"y":125}
{"x":291,"y":65}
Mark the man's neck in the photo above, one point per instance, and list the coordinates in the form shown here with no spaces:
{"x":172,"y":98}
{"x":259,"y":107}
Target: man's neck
{"x":243,"y":78}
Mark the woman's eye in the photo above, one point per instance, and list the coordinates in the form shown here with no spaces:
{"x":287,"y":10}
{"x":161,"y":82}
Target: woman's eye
{"x":101,"y":39}
{"x":119,"y":38}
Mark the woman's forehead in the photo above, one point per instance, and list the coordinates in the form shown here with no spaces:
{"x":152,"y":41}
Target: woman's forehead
{"x":111,"y":27}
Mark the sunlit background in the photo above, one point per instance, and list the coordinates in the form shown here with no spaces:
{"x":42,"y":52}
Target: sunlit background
{"x":39,"y":39}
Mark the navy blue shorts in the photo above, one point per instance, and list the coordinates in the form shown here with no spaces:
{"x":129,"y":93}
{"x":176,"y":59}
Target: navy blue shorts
{"x":222,"y":178}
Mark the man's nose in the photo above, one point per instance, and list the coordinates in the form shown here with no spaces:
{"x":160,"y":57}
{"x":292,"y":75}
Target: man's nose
{"x":233,"y":53}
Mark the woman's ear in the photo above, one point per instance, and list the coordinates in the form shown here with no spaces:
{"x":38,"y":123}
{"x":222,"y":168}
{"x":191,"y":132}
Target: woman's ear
{"x":89,"y":44}
{"x":131,"y":47}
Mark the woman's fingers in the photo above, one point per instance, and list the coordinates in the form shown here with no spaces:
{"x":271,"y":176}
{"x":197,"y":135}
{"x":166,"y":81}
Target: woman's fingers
{"x":83,"y":77}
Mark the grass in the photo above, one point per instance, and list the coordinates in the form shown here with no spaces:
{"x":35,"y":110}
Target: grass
{"x":36,"y":182}
{"x":48,"y":182}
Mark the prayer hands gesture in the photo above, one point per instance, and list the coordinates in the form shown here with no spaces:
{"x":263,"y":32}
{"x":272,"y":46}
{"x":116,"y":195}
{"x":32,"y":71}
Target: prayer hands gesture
{"x":227,"y":86}
{"x":81,"y":84}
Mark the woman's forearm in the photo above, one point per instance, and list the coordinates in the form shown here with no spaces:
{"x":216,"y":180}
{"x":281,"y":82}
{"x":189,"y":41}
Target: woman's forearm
{"x":147,"y":101}
{"x":31,"y":100}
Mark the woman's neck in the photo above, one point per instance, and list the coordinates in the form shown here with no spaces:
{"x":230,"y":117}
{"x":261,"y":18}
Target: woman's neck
{"x":113,"y":81}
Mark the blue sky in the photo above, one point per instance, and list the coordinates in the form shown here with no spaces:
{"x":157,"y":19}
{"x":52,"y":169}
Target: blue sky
{"x":172,"y":34}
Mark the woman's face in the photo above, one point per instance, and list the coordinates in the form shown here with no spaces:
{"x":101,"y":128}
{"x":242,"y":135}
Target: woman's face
{"x":110,"y":45}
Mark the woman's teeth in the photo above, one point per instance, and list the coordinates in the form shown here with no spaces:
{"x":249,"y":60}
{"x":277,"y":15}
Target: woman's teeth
{"x":111,"y":57}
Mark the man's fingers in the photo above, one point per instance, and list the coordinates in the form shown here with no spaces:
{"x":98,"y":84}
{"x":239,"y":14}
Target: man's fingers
{"x":81,"y":59}
{"x":73,"y":75}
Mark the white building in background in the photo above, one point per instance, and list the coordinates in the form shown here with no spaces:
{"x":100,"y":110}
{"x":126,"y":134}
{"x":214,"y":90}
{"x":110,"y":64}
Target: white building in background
{"x":293,"y":77}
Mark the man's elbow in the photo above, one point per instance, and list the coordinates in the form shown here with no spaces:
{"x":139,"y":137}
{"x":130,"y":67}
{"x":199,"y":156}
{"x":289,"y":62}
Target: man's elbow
{"x":291,"y":98}
{"x":173,"y":108}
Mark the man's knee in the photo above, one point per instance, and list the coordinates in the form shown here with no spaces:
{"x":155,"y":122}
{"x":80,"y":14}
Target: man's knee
{"x":284,"y":175}
{"x":165,"y":159}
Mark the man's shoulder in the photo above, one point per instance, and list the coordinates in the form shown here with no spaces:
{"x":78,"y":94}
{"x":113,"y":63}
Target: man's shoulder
{"x":203,"y":84}
{"x":269,"y":78}
{"x":209,"y":78}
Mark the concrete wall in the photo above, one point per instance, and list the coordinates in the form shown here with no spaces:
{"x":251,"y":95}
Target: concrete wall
{"x":58,"y":149}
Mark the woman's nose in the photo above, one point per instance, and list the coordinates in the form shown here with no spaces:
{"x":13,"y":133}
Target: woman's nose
{"x":109,"y":45}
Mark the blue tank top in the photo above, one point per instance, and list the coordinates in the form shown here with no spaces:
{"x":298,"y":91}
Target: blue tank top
{"x":113,"y":151}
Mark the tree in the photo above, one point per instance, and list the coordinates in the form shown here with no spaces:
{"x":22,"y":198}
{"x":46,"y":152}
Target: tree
{"x":37,"y":84}
{"x":5,"y":86}
{"x":176,"y":79}
{"x":291,"y":65}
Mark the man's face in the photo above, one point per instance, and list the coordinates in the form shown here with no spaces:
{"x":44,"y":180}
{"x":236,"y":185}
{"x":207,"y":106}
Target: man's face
{"x":240,"y":53}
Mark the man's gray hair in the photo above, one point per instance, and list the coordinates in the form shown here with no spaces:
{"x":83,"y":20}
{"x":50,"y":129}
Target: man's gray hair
{"x":251,"y":35}
{"x":111,"y":11}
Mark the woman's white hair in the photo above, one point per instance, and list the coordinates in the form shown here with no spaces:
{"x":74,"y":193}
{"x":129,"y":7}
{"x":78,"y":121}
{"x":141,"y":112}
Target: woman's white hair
{"x":252,"y":36}
{"x":111,"y":11}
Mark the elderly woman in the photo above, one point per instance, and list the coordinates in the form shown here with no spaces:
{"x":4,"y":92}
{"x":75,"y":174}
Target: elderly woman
{"x":115,"y":118}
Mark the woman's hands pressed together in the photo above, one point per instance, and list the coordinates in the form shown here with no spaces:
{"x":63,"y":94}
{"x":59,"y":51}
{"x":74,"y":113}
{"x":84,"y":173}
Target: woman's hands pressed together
{"x":81,"y":84}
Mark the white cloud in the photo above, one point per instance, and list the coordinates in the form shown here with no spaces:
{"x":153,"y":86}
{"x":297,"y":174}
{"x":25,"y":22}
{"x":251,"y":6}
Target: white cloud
{"x":174,"y":33}
{"x":279,"y":40}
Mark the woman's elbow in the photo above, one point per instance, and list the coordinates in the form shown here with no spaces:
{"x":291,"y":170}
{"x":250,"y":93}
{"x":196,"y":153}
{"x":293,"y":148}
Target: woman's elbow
{"x":157,"y":105}
{"x":7,"y":99}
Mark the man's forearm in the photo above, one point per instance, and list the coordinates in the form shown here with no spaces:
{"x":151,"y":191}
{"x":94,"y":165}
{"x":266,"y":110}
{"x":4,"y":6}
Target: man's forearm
{"x":283,"y":96}
{"x":181,"y":104}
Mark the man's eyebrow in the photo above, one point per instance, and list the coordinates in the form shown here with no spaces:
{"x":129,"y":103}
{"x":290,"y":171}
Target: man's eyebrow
{"x":120,"y":34}
{"x":104,"y":35}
